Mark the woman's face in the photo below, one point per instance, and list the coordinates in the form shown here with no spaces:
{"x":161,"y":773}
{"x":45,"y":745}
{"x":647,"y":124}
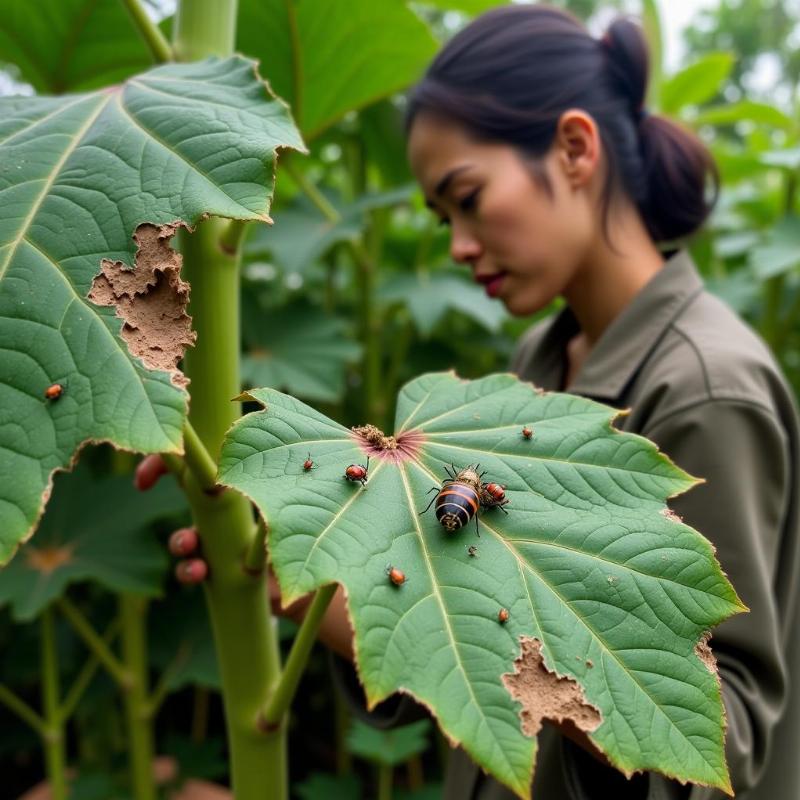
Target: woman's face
{"x":524,"y":244}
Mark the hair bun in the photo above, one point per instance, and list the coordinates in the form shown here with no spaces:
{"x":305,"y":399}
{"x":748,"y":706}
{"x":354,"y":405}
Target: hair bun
{"x":628,"y":60}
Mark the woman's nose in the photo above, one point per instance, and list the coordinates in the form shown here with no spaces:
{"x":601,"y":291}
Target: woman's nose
{"x":464,"y":247}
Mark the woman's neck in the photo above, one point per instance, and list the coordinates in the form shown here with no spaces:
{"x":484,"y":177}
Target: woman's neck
{"x":611,"y":278}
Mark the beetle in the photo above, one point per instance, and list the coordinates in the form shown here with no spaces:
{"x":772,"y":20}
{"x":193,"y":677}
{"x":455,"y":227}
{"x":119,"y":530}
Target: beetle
{"x":472,"y":551}
{"x":527,"y":432}
{"x":458,"y":498}
{"x":308,"y":464}
{"x":357,"y":473}
{"x":396,"y":576}
{"x":493,"y":495}
{"x":54,"y":391}
{"x":502,"y":616}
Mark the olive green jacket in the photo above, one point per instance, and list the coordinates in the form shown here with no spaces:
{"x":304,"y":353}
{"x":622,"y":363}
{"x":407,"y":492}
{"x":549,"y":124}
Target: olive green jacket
{"x":705,"y":388}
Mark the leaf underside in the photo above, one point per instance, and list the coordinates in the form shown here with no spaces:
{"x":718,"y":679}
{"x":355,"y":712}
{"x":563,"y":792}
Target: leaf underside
{"x":587,"y":561}
{"x":78,"y":175}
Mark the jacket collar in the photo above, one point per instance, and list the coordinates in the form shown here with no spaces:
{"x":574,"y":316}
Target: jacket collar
{"x":625,"y":345}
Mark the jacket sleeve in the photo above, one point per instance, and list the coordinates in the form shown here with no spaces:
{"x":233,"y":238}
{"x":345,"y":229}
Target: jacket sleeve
{"x":742,"y":452}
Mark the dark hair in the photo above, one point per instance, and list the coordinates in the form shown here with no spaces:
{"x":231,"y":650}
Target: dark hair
{"x":510,"y":74}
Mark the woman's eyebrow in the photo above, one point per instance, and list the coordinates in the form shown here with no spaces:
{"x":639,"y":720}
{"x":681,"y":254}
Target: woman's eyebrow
{"x":441,"y":187}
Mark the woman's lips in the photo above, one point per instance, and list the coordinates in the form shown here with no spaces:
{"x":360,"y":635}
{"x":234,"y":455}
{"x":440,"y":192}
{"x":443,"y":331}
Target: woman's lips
{"x":491,"y":283}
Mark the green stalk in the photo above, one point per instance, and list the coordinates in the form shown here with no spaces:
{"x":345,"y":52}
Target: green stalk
{"x":150,"y":32}
{"x":22,"y":709}
{"x":139,"y":722}
{"x":385,"y":772}
{"x":84,"y":678}
{"x":298,"y":657}
{"x":54,"y":746}
{"x":204,"y":28}
{"x":94,"y":642}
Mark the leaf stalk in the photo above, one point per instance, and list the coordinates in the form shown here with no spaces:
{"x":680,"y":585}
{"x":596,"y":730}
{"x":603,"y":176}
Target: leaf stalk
{"x":156,"y":42}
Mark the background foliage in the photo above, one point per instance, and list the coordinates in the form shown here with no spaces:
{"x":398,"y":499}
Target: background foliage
{"x":348,"y":296}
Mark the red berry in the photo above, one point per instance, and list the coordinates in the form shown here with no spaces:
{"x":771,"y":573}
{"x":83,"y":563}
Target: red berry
{"x":148,"y":471}
{"x":183,"y":542}
{"x":191,"y":570}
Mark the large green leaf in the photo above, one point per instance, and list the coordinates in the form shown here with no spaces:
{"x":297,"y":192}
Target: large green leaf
{"x":324,"y":62}
{"x":71,"y":45}
{"x":78,"y":176}
{"x":94,"y":529}
{"x":392,"y":747}
{"x":428,"y":297}
{"x":780,"y":250}
{"x":299,"y":349}
{"x":616,"y":591}
{"x":696,"y":84}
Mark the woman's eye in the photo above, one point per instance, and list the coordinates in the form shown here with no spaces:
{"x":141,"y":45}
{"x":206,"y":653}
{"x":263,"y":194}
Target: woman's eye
{"x":468,"y":203}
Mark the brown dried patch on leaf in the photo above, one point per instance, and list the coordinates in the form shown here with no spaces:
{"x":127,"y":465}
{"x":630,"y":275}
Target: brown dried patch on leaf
{"x":671,"y":515}
{"x":389,"y":448}
{"x":48,"y":559}
{"x":703,"y":651}
{"x":545,"y":694}
{"x":376,"y":437}
{"x":151,"y":298}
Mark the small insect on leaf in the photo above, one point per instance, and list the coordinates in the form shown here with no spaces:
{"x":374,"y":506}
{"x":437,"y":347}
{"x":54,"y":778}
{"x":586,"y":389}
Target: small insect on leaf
{"x":54,"y":391}
{"x":397,"y":577}
{"x":527,"y":432}
{"x":308,"y":464}
{"x":357,"y":473}
{"x":502,"y":616}
{"x":472,"y":550}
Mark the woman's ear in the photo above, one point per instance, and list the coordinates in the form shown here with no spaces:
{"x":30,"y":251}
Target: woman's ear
{"x":578,"y":146}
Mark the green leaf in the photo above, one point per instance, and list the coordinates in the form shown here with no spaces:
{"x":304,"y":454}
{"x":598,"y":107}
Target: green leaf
{"x":428,"y":297}
{"x":94,"y":529}
{"x":744,"y":111}
{"x":302,"y":235}
{"x":181,"y":640}
{"x":390,"y":747}
{"x":298,"y":349}
{"x":78,"y":176}
{"x":780,"y":250}
{"x":71,"y":45}
{"x":696,"y":84}
{"x":325,"y":63}
{"x":587,"y":561}
{"x":319,"y":784}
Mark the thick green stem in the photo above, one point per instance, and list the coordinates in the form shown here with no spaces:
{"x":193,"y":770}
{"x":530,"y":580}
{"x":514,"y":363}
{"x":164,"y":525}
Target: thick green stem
{"x":204,"y":28}
{"x":133,"y":615}
{"x":94,"y":642}
{"x":246,"y":644}
{"x":298,"y":657}
{"x":245,"y":638}
{"x":256,"y":558}
{"x":53,"y":738}
{"x":150,"y":32}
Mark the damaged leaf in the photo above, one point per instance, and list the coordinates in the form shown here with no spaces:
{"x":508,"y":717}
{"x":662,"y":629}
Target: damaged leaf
{"x":79,"y":176}
{"x":95,"y":529}
{"x":577,"y":562}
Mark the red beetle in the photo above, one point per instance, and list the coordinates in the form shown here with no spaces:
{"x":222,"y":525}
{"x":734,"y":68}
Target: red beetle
{"x":502,"y":616}
{"x":357,"y":473}
{"x":54,"y":391}
{"x":527,"y":432}
{"x":308,"y":464}
{"x":493,"y":495}
{"x":397,"y":577}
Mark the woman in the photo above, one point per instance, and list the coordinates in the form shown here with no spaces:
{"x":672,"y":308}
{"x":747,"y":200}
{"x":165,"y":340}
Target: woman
{"x":531,"y":140}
